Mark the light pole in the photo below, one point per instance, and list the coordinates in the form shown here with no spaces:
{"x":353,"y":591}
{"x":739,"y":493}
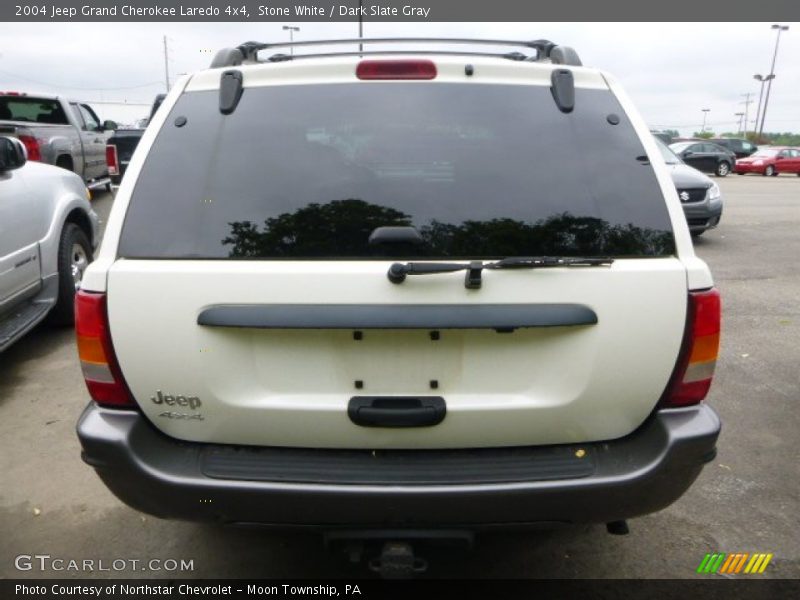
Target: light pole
{"x":291,"y":31}
{"x":705,"y":114}
{"x":779,"y":28}
{"x":747,"y":102}
{"x":763,"y":80}
{"x":360,"y":25}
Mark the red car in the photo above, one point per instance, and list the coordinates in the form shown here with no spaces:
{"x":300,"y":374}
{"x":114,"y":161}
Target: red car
{"x":770,"y":161}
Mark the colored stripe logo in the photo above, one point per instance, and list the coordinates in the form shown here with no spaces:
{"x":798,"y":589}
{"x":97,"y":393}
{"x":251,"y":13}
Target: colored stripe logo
{"x":735,"y":563}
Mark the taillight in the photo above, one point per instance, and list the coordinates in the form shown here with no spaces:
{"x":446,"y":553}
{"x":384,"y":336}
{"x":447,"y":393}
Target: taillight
{"x":111,"y":159}
{"x":396,"y":69}
{"x":31,"y":147}
{"x":692,"y":377}
{"x":98,"y":361}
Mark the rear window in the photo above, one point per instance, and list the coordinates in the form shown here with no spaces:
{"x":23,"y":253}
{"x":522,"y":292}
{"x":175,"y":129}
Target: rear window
{"x":33,"y":110}
{"x":481,"y":171}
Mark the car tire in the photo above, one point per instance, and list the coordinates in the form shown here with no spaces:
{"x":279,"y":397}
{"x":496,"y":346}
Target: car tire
{"x":74,"y":255}
{"x":769,"y":171}
{"x":65,"y":162}
{"x":723,"y":169}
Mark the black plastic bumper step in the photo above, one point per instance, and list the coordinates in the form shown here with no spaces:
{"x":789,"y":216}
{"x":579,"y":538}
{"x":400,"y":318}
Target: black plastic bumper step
{"x":390,"y":467}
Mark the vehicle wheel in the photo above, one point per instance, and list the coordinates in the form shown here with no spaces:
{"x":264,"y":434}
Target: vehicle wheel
{"x":723,"y":169}
{"x":769,"y":171}
{"x":74,"y":255}
{"x":65,"y":162}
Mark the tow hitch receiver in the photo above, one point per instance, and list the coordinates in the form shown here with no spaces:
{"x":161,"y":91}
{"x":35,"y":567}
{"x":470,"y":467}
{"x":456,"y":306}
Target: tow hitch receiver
{"x":397,"y":561}
{"x":391,"y":553}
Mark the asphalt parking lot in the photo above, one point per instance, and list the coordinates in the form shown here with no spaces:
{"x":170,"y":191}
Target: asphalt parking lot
{"x":746,"y":500}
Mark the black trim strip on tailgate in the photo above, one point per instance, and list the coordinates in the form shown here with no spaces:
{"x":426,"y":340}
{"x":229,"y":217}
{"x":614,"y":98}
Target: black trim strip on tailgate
{"x":504,"y":317}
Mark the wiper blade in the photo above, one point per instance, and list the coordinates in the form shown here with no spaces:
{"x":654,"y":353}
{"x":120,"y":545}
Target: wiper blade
{"x":399,"y":271}
{"x":538,"y":262}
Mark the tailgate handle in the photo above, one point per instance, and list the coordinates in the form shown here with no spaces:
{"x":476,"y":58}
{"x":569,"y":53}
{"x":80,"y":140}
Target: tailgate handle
{"x":394,"y":411}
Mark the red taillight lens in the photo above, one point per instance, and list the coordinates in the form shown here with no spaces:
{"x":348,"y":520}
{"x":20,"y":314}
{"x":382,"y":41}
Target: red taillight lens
{"x":98,"y":361}
{"x":31,"y":147}
{"x":692,"y":377}
{"x":396,"y":69}
{"x":111,"y":160}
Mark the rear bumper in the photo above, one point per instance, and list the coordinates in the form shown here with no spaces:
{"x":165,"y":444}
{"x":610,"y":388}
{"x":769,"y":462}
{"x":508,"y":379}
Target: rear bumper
{"x":639,"y":474}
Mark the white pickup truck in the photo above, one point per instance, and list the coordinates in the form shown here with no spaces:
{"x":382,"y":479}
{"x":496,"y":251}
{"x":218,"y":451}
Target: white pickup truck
{"x":60,"y":132}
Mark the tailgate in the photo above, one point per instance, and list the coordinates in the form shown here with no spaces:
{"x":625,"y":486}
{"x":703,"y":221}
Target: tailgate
{"x":292,"y":386}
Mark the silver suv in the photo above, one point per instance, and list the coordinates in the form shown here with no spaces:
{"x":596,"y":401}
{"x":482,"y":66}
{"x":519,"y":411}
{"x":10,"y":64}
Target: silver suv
{"x":425,"y":290}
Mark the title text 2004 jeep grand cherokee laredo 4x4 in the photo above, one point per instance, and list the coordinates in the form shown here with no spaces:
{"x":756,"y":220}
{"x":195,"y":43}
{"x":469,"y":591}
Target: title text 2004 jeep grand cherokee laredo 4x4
{"x":359,"y":291}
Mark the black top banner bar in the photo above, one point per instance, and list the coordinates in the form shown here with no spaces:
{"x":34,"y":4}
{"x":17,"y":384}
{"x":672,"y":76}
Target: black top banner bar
{"x":396,"y":10}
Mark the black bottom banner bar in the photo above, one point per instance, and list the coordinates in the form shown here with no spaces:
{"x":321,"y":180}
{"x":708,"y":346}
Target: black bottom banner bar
{"x":202,"y":589}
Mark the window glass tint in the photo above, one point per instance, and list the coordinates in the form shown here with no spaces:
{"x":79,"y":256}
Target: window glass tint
{"x":679,"y":147}
{"x":479,"y":171}
{"x":92,"y":124}
{"x":34,"y":110}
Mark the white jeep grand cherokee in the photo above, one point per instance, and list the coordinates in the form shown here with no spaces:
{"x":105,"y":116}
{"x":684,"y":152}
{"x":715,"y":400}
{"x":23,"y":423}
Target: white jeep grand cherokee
{"x":385,"y":291}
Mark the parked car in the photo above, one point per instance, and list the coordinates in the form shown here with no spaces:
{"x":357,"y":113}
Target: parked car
{"x":664,"y":137}
{"x":740,"y":147}
{"x":47,"y":235}
{"x":120,"y":146}
{"x":700,"y":197}
{"x":705,"y":156}
{"x":770,"y":161}
{"x":386,"y":303}
{"x":60,"y":132}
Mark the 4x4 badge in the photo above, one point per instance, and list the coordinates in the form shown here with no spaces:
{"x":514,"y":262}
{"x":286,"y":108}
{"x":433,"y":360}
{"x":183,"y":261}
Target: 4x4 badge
{"x":173,"y":415}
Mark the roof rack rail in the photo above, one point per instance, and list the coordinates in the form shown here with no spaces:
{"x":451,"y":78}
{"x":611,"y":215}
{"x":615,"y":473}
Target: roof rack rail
{"x":545,"y":50}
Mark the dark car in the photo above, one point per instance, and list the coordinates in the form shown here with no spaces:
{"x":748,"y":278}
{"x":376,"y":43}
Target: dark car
{"x":740,"y":147}
{"x":705,"y":156}
{"x":120,"y":146}
{"x":700,"y":197}
{"x":663,"y":136}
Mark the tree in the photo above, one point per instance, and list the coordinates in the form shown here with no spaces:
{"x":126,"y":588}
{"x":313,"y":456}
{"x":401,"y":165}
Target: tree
{"x":704,"y":135}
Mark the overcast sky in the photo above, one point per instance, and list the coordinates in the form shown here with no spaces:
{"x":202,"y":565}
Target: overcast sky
{"x":672,"y":70}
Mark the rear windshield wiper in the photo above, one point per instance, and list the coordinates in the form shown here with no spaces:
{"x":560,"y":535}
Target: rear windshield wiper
{"x":399,"y":271}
